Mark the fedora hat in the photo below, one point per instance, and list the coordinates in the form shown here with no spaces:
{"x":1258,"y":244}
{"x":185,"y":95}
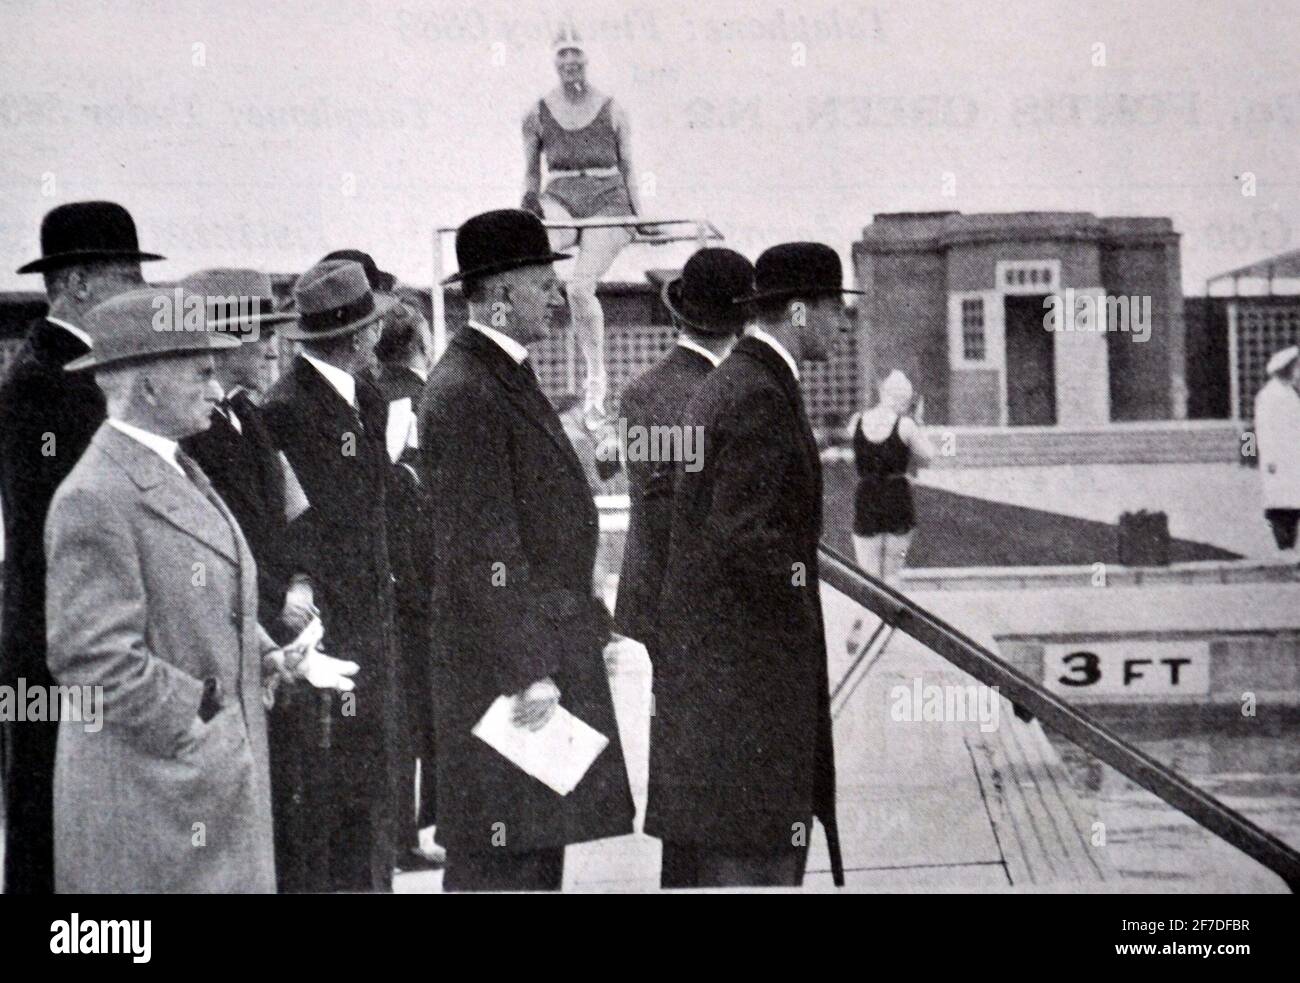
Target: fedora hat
{"x":703,"y":296}
{"x":81,"y":231}
{"x":333,"y":299}
{"x":505,"y":239}
{"x":797,"y":269}
{"x":131,"y":326}
{"x":236,"y":299}
{"x":381,"y":282}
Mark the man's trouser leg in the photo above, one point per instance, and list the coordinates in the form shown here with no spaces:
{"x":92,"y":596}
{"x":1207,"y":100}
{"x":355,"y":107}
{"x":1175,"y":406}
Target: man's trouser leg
{"x":28,"y":761}
{"x":500,"y":870}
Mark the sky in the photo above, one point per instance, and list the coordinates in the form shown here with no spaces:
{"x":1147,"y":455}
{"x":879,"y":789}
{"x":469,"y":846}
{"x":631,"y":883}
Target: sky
{"x":252,"y":134}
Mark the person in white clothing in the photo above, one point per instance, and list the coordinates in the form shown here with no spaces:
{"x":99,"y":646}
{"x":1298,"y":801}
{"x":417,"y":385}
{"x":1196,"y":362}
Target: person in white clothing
{"x":1277,"y":434}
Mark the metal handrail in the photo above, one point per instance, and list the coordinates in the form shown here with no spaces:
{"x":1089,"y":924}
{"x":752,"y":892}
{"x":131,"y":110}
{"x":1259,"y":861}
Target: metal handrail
{"x":972,"y":658}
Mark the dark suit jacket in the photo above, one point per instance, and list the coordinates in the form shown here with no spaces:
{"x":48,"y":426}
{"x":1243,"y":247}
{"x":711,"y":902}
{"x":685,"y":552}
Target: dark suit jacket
{"x":47,"y":417}
{"x":341,"y":542}
{"x":245,"y":470}
{"x":515,"y":533}
{"x":741,"y":737}
{"x":397,"y":382}
{"x":658,"y":398}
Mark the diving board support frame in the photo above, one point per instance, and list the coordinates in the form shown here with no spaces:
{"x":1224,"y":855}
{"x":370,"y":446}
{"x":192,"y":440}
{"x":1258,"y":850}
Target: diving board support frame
{"x":698,"y":230}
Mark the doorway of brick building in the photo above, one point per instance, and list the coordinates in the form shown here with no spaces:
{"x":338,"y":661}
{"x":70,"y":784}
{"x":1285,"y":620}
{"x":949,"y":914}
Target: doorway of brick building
{"x":1031,"y":370}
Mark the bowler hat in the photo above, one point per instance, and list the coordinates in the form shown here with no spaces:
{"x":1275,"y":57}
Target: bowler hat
{"x":81,"y":231}
{"x":380,"y":281}
{"x":334,"y":299}
{"x":505,"y":239}
{"x":797,"y":269}
{"x":702,"y":297}
{"x":236,"y":299}
{"x":147,"y":323}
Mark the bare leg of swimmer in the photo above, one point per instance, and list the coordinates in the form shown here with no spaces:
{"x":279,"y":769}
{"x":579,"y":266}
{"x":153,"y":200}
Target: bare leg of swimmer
{"x":597,"y":250}
{"x":555,"y":212}
{"x":895,"y":555}
{"x":596,"y":254}
{"x":869,"y":552}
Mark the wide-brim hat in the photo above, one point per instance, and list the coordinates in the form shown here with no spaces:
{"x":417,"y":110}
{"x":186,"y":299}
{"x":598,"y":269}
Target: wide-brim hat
{"x":381,"y":281}
{"x":703,"y":296}
{"x":148,"y":323}
{"x":333,"y":299}
{"x":1282,"y":359}
{"x":797,"y":269}
{"x":501,"y":240}
{"x":237,"y":299}
{"x":82,"y":231}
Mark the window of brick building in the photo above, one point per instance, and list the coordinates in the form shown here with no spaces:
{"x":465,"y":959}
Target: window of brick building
{"x":973,"y":340}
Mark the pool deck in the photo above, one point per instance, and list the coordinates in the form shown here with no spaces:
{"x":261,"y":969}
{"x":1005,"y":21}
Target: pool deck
{"x":924,"y":806}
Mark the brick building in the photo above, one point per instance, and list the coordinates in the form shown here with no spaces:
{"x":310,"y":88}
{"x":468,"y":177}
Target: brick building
{"x":958,"y":302}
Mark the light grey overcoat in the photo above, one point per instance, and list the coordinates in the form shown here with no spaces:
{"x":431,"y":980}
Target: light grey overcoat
{"x":151,"y":590}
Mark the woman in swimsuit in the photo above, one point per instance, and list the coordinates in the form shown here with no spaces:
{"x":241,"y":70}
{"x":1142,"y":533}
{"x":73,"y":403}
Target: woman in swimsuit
{"x":885,"y":442}
{"x":584,"y":138}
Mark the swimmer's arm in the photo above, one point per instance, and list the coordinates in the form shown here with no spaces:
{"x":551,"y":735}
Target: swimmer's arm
{"x":916,"y":439}
{"x":532,"y":153}
{"x":623,"y":130}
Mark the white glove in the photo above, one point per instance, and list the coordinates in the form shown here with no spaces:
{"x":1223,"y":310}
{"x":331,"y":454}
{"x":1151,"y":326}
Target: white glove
{"x":326,"y":672}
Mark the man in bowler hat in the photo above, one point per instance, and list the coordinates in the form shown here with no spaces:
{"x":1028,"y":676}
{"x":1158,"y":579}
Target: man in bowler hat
{"x":328,"y":419}
{"x":741,"y":758}
{"x":89,"y":253}
{"x":514,"y":611}
{"x":701,"y":304}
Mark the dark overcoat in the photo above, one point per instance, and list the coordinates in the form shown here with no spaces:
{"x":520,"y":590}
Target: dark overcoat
{"x":47,"y":417}
{"x":340,"y":541}
{"x":244,"y":467}
{"x":658,"y":398}
{"x":515,"y":533}
{"x":740,"y":746}
{"x":408,"y":527}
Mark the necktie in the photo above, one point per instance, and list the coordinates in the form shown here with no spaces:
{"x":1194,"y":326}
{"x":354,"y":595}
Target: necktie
{"x":227,"y":409}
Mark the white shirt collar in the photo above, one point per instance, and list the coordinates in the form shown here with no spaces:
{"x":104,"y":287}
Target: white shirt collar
{"x":511,"y":347}
{"x":340,"y":381}
{"x":422,"y":374}
{"x":164,"y":447}
{"x":691,"y":346}
{"x":72,"y":329}
{"x":767,"y":339}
